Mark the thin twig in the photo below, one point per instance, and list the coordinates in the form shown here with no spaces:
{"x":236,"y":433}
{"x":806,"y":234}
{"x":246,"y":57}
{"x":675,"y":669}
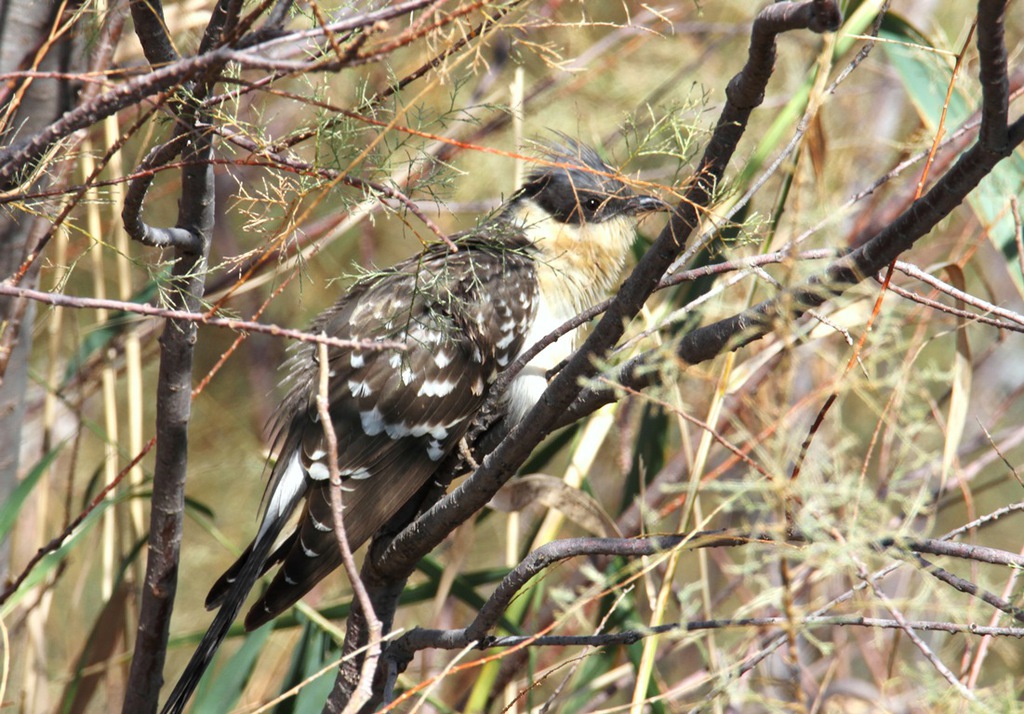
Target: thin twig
{"x":364,"y":691}
{"x":202,"y":318}
{"x":633,"y":636}
{"x":925,"y":650}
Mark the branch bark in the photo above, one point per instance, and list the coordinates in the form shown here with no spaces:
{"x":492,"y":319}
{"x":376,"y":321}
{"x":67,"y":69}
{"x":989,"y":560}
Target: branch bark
{"x":194,"y":231}
{"x":477,"y":633}
{"x":173,"y":409}
{"x":994,"y":143}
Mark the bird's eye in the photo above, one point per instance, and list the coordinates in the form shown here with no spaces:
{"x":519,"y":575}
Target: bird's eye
{"x":592,"y":204}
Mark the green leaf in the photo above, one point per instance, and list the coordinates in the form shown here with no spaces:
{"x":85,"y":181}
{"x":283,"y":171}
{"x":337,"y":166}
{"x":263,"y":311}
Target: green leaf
{"x":926,"y":75}
{"x":314,"y":651}
{"x":12,"y":506}
{"x":221,"y":693}
{"x":51,"y":561}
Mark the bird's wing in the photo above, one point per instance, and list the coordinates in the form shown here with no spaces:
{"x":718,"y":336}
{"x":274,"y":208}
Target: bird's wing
{"x":396,"y":414}
{"x":461,"y":318}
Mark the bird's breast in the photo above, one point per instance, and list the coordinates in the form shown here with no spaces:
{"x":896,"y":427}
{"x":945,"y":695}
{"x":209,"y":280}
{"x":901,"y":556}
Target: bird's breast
{"x":531,"y":382}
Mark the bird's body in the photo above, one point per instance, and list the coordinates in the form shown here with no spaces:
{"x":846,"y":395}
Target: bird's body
{"x":554,"y":249}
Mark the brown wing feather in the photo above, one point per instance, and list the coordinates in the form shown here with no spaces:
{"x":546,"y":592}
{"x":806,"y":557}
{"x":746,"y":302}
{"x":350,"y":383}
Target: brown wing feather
{"x":396,"y":414}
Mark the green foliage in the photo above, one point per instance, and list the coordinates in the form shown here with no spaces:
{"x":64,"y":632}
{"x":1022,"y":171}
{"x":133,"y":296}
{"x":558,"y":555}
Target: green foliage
{"x":922,"y":437}
{"x":11,"y":508}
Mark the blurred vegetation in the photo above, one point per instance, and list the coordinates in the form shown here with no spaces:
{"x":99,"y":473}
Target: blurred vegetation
{"x":924,"y":436}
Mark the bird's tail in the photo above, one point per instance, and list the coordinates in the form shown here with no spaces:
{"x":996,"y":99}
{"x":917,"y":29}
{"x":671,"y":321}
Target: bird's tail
{"x":218,"y":630}
{"x":288,"y":488}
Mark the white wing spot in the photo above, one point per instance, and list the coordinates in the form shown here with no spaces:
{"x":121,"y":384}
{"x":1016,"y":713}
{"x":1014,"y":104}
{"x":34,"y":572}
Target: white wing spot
{"x":438,"y":431}
{"x":318,"y":471}
{"x":398,"y":430}
{"x":435,"y":388}
{"x":372,"y":422}
{"x":360,"y":388}
{"x":318,"y":525}
{"x":442,"y":359}
{"x":434,"y":450}
{"x":431,"y":337}
{"x":356,"y":360}
{"x":309,"y":552}
{"x":395,"y":360}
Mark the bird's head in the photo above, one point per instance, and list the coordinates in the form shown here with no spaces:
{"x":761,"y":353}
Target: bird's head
{"x":579,"y":216}
{"x":576,"y":187}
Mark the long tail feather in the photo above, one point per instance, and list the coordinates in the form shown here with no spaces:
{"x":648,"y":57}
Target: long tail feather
{"x":218,"y":630}
{"x":286,"y":496}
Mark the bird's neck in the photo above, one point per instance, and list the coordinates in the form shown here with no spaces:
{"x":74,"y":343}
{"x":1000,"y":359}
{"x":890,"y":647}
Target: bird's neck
{"x":577,"y":264}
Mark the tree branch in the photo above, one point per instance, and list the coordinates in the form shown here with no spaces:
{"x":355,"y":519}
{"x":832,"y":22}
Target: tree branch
{"x":392,"y":561}
{"x":497,"y":467}
{"x":202,"y":318}
{"x":151,"y":28}
{"x":919,"y":219}
{"x":191,"y":240}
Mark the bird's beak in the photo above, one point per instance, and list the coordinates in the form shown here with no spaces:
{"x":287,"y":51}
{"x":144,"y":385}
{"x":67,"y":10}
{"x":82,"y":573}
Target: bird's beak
{"x":648,"y":204}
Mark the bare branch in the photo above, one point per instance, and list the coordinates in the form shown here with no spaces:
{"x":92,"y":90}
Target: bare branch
{"x":966,"y":551}
{"x":402,"y":649}
{"x":917,"y":221}
{"x":14,"y":158}
{"x":995,"y":84}
{"x":364,"y":691}
{"x":969,"y":588}
{"x":400,"y":652}
{"x":743,"y":93}
{"x":925,"y":650}
{"x":151,"y":28}
{"x":631,"y":636}
{"x":131,"y":213}
{"x":191,"y":238}
{"x":203,"y":318}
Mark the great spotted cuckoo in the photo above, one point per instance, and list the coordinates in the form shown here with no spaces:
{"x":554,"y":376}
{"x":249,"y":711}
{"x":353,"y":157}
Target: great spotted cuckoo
{"x":555,"y":248}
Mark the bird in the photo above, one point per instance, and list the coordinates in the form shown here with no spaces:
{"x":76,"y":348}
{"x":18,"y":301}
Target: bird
{"x":556,"y":247}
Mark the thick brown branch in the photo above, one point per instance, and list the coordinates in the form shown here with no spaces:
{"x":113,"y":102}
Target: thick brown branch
{"x":402,"y":554}
{"x":148,"y":16}
{"x":15,"y":158}
{"x":992,"y":73}
{"x":917,"y":221}
{"x":191,"y":240}
{"x":389,"y":563}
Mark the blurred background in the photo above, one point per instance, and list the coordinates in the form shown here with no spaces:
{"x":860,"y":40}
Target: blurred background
{"x":924,"y":436}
